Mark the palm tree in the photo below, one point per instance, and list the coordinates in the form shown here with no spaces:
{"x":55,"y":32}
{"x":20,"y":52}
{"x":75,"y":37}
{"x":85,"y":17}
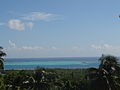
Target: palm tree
{"x":107,"y":75}
{"x":96,"y":79}
{"x":111,"y":70}
{"x":2,"y":53}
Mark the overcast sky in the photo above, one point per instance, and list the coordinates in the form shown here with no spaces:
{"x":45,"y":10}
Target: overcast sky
{"x":60,"y":28}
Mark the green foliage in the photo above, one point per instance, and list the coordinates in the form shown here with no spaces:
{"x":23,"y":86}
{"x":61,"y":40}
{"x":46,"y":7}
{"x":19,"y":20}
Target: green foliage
{"x":106,"y":77}
{"x":43,"y":79}
{"x":2,"y":53}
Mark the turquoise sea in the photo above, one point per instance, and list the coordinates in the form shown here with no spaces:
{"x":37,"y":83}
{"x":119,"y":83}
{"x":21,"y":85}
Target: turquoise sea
{"x":67,"y":62}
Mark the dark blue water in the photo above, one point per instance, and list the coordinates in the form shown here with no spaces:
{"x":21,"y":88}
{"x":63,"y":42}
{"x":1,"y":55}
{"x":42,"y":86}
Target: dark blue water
{"x":32,"y":63}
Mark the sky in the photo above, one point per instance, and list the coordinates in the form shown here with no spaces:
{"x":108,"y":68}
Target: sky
{"x":59,"y":28}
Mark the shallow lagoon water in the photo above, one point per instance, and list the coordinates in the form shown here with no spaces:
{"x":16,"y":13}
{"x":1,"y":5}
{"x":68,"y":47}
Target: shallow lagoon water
{"x":32,"y":63}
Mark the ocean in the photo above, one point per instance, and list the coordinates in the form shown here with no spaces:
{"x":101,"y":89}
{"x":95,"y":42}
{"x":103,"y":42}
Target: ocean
{"x":66,"y":62}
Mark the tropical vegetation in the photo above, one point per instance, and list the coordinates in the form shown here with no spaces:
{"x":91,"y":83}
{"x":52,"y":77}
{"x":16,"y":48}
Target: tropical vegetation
{"x":2,"y":53}
{"x":105,"y":77}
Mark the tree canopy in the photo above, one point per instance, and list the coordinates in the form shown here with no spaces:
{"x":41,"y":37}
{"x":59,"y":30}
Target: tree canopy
{"x":2,"y":53}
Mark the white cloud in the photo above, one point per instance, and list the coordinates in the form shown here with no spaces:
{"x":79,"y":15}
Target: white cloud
{"x":20,"y":24}
{"x":109,"y":46}
{"x":12,"y":43}
{"x":32,"y":48}
{"x":40,"y":16}
{"x":96,"y":46}
{"x":105,"y":47}
{"x":15,"y":47}
{"x":16,"y":24}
